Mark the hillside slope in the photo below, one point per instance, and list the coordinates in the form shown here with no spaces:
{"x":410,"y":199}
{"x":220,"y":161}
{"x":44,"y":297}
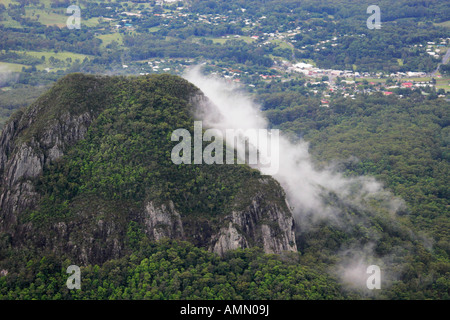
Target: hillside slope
{"x":88,"y":164}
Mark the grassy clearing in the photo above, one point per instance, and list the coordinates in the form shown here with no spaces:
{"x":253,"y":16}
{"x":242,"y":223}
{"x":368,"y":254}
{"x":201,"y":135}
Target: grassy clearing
{"x":48,"y":17}
{"x":443,"y":84}
{"x":416,"y":79}
{"x":220,"y":40}
{"x":11,"y":67}
{"x":58,"y":17}
{"x":154,"y":29}
{"x":109,"y":38}
{"x":223,"y":40}
{"x":374,"y":80}
{"x":282,"y":44}
{"x":8,"y":22}
{"x":90,"y":22}
{"x":16,"y":67}
{"x":246,"y":39}
{"x":6,"y":2}
{"x":445,"y":87}
{"x":63,"y":55}
{"x":445,"y":24}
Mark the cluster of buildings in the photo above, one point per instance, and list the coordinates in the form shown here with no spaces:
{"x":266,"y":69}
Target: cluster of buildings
{"x":285,"y":69}
{"x":436,"y":49}
{"x":312,"y":71}
{"x":179,"y":13}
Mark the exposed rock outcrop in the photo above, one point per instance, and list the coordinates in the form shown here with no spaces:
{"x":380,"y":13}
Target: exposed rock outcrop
{"x":39,"y":136}
{"x":23,"y":159}
{"x":162,"y":221}
{"x":263,"y":224}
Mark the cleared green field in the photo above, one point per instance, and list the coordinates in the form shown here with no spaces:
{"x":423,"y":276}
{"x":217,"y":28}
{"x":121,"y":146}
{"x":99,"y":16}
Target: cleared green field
{"x":154,"y":29}
{"x":445,"y":87}
{"x":89,"y":22}
{"x":375,"y":80}
{"x":10,"y":23}
{"x":223,"y":40}
{"x":443,"y":24}
{"x":6,"y":2}
{"x":246,"y":39}
{"x":282,"y":44}
{"x":16,"y":67}
{"x":63,"y":55}
{"x":48,"y":17}
{"x":443,"y":84}
{"x":11,"y":67}
{"x":417,"y":79}
{"x":51,"y":16}
{"x":108,"y":38}
{"x":6,"y":20}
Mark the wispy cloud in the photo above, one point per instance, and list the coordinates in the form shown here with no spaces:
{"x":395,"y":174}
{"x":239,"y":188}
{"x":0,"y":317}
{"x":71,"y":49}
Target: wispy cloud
{"x":308,"y":188}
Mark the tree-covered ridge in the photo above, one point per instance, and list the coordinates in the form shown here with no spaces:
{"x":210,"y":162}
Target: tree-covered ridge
{"x":413,"y":127}
{"x":174,"y":270}
{"x":403,"y":142}
{"x":115,"y":176}
{"x":125,"y":155}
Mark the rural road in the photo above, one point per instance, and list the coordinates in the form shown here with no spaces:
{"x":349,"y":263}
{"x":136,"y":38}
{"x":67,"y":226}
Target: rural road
{"x":444,"y":61}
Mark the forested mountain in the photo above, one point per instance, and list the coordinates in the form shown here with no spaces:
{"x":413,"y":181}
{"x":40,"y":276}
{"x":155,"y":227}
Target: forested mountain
{"x":89,"y":159}
{"x":86,"y":180}
{"x":402,"y":142}
{"x":86,"y":176}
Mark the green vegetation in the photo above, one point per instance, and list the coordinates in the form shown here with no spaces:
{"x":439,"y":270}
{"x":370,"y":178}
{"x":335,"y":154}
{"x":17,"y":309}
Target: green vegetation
{"x":11,"y":67}
{"x":333,"y":34}
{"x":108,"y":39}
{"x":132,"y":131}
{"x":11,"y":100}
{"x":121,"y":165}
{"x":403,"y":143}
{"x":444,"y":24}
{"x":402,"y":140}
{"x":175,"y":270}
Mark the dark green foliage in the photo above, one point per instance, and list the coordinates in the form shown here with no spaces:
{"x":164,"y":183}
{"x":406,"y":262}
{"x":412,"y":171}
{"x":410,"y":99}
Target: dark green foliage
{"x":16,"y":99}
{"x":124,"y":160}
{"x":404,"y":144}
{"x":233,"y":51}
{"x":445,"y":69}
{"x":104,"y":181}
{"x":125,"y":155}
{"x":174,"y":270}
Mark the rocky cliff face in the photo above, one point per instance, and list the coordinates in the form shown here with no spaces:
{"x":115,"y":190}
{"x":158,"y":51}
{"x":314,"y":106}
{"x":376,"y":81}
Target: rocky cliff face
{"x":98,"y":233}
{"x":23,"y":161}
{"x":262,"y":223}
{"x":162,"y":221}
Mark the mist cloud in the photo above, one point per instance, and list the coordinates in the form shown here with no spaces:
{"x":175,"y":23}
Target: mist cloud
{"x":308,"y":189}
{"x":304,"y":184}
{"x":7,"y":77}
